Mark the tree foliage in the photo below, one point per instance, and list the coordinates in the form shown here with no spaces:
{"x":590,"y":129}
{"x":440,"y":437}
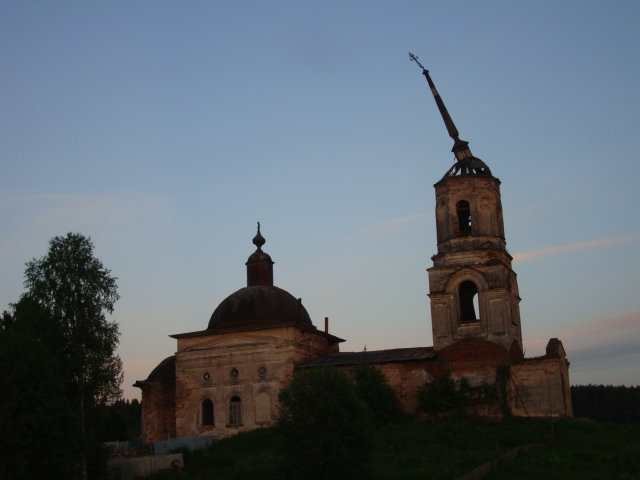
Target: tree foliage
{"x":326,"y":429}
{"x":120,"y":420}
{"x":77,"y":291}
{"x":372,"y":387}
{"x":67,"y":343}
{"x":607,"y":403}
{"x":441,"y":395}
{"x":40,"y":428}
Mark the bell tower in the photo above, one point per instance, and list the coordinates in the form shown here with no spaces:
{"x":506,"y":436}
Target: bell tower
{"x":472,"y":287}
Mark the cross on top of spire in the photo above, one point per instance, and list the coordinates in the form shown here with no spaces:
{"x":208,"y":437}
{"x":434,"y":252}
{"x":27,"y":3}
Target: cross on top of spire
{"x":466,"y":163}
{"x":259,"y":240}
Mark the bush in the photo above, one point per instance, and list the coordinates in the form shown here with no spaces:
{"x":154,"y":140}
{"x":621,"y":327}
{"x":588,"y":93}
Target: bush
{"x":372,"y":387}
{"x":441,"y":395}
{"x":326,"y":430}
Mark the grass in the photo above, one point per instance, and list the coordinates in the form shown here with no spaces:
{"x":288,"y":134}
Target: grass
{"x":580,"y":450}
{"x":447,"y":449}
{"x":247,"y":455}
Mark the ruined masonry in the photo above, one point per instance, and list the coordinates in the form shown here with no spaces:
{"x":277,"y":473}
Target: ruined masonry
{"x":225,"y":379}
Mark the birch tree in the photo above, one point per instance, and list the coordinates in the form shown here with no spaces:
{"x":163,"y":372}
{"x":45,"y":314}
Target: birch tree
{"x":77,"y":292}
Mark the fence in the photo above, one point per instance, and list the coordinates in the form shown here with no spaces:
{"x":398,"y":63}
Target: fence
{"x":192,"y":443}
{"x":121,"y":447}
{"x":128,"y":468}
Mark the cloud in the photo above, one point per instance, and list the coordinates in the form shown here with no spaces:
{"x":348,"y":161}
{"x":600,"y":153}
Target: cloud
{"x":41,"y":216}
{"x":621,"y":354}
{"x":623,"y":324}
{"x":389,"y":227}
{"x":605,"y":343}
{"x":54,"y":209}
{"x":607,"y":242}
{"x":604,"y":334}
{"x":115,"y":221}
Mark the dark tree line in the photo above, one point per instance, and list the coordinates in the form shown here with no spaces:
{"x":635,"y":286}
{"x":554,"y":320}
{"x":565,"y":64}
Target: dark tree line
{"x":119,"y":421}
{"x":607,"y":403}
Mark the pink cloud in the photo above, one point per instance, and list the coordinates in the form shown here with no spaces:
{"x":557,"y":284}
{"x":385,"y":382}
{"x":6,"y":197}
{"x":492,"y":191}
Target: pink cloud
{"x":607,"y":242}
{"x":390,"y":226}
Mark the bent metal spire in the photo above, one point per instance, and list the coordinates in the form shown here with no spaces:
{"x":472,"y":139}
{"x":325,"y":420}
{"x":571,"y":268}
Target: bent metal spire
{"x":466,"y":163}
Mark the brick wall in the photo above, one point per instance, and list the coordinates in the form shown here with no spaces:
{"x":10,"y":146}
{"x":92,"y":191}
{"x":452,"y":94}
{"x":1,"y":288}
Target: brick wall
{"x":158,"y":410}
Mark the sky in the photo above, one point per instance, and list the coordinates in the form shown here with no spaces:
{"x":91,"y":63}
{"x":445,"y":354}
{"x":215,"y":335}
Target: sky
{"x":165,"y":130}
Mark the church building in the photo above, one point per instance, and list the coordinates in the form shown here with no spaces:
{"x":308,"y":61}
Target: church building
{"x":225,"y":379}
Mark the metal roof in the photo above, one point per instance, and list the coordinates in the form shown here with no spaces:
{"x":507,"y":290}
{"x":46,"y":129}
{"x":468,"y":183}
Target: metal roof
{"x":377,"y":356}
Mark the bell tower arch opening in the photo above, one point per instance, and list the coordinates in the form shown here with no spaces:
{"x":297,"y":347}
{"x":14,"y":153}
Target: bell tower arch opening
{"x":463,"y":209}
{"x":468,"y":295}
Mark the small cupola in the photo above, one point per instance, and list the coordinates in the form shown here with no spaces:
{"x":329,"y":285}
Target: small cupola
{"x":259,"y":264}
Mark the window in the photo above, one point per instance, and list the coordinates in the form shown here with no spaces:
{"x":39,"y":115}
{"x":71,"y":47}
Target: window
{"x":235,"y":411}
{"x":464,"y":218}
{"x":207,"y":412}
{"x":234,"y":374}
{"x":468,"y":293}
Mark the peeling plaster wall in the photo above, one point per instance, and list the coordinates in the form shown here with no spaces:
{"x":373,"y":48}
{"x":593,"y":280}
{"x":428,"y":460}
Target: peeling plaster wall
{"x":541,"y":383}
{"x":279,"y":350}
{"x":406,"y":378}
{"x":541,"y":388}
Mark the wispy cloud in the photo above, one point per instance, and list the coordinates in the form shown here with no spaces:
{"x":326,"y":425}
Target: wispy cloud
{"x":388,"y":227}
{"x":607,"y":242}
{"x":623,"y":324}
{"x":621,"y":354}
{"x":115,"y":218}
{"x":53,"y":209}
{"x":603,"y":343}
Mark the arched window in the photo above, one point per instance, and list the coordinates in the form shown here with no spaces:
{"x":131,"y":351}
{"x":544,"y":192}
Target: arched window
{"x":468,"y":293}
{"x":464,"y":217}
{"x":207,"y":412}
{"x":235,"y":411}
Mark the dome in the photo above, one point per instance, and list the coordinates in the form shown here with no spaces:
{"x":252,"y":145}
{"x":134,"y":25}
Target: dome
{"x":469,"y":166}
{"x":259,"y":305}
{"x":165,"y":370}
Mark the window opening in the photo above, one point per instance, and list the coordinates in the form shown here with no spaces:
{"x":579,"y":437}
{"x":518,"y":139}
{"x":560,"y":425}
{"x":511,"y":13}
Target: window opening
{"x":234,"y":374}
{"x":476,"y":308}
{"x":468,"y":301}
{"x":235,"y":411}
{"x":207,"y":412}
{"x":464,"y":217}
